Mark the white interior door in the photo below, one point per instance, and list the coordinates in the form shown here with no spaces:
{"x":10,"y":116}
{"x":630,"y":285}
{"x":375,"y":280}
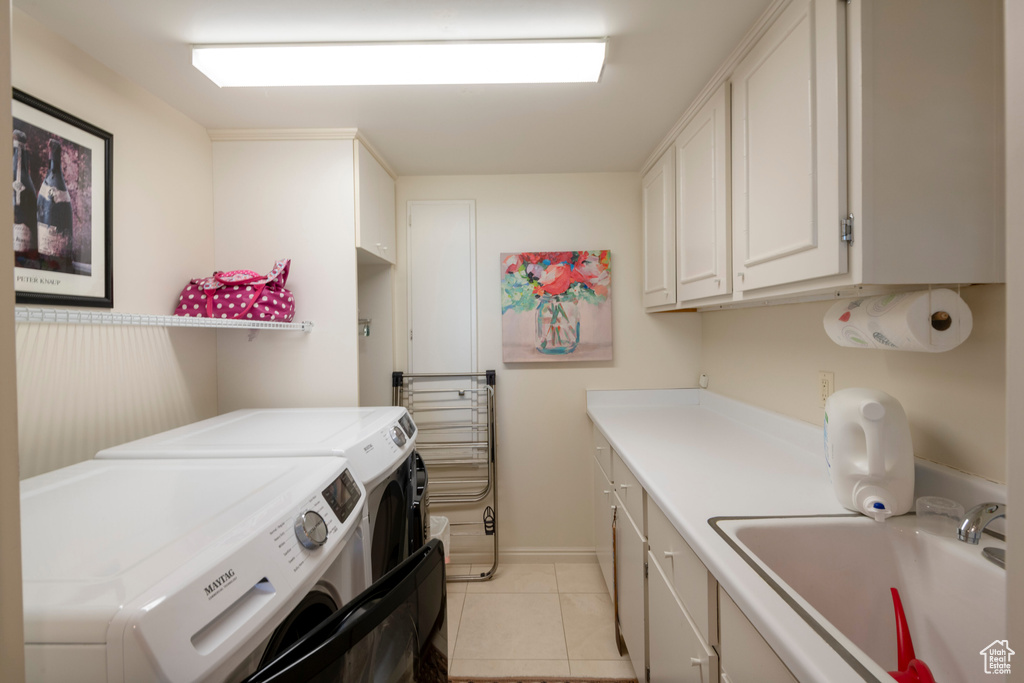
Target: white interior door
{"x":443,"y":336}
{"x":442,"y":286}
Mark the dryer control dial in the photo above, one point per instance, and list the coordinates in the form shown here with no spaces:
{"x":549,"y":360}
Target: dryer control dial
{"x":398,"y":436}
{"x":311,"y":529}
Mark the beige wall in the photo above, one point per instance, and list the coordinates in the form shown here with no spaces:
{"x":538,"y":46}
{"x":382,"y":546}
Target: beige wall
{"x":376,"y":352}
{"x":544,"y":453}
{"x":84,"y":388}
{"x":290,"y":199}
{"x":1015,"y":323}
{"x":12,"y":652}
{"x":955,"y":400}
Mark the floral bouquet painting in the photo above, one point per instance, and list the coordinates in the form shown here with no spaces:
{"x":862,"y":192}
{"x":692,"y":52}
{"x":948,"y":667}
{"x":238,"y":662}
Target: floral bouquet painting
{"x":556,"y":305}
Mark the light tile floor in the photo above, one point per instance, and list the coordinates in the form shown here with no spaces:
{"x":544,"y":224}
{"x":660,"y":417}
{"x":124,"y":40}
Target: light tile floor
{"x":533,"y":620}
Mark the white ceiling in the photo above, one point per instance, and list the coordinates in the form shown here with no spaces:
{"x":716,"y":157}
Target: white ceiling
{"x":660,"y":54}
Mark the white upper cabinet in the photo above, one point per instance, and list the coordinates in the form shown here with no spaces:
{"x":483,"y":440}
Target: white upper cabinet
{"x":375,"y":206}
{"x":865,"y":141}
{"x":659,"y":221}
{"x":789,"y":180}
{"x":702,"y":198}
{"x":927,"y":126}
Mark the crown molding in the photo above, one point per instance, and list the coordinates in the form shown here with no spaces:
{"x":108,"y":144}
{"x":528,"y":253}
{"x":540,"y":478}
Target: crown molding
{"x":375,"y":155}
{"x":278,"y":134}
{"x":262,"y":134}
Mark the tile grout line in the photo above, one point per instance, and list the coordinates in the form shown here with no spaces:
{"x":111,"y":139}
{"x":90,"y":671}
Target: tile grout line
{"x":565,"y":638}
{"x":460,"y":625}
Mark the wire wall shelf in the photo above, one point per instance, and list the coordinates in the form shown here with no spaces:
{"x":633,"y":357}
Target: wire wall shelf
{"x":73,"y":317}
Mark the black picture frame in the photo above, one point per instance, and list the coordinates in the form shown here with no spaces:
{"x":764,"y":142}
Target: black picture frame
{"x":68,"y":263}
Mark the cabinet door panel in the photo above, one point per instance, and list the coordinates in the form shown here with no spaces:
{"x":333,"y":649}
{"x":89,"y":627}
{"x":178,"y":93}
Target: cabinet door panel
{"x":375,"y":206}
{"x":603,"y":524}
{"x":744,"y":653}
{"x":603,"y":452}
{"x":788,"y":186}
{"x":678,"y":654}
{"x":686,"y":573}
{"x":659,"y":222}
{"x":702,"y":202}
{"x":630,"y":555}
{"x":629,"y":490}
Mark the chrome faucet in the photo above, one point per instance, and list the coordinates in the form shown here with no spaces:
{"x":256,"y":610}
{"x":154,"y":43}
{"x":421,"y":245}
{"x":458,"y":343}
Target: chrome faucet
{"x":976,"y":519}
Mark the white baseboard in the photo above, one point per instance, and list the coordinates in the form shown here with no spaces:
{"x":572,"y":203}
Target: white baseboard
{"x":527,"y":556}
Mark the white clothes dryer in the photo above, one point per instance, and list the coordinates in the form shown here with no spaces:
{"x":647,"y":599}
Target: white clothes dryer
{"x":183,"y":570}
{"x":379,"y":444}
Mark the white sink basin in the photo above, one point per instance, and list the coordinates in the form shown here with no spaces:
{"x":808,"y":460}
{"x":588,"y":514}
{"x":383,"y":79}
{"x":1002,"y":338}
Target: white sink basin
{"x":836,"y":571}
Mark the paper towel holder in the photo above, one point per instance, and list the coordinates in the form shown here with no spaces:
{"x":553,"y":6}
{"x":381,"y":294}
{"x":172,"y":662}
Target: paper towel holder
{"x":941,"y":321}
{"x":931,"y":320}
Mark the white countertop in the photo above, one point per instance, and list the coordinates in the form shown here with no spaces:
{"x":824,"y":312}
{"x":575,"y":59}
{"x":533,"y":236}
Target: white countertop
{"x":700,"y":455}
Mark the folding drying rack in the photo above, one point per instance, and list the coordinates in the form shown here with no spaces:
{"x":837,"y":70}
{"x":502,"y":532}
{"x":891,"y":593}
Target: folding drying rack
{"x":455,"y":416}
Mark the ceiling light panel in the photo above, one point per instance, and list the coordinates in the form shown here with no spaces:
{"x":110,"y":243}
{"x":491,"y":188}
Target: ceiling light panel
{"x":429,"y":63}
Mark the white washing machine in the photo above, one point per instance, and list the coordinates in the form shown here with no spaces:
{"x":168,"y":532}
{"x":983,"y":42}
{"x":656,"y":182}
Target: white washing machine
{"x":379,"y":444}
{"x":183,"y":570}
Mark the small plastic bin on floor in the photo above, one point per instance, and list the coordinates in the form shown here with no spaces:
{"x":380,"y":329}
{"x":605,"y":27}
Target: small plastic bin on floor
{"x":440,"y":529}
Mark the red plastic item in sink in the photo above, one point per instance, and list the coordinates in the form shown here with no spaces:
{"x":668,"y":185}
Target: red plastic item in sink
{"x":911,"y":669}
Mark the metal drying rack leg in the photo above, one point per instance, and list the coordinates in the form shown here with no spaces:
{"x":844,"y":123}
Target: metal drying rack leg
{"x":404,"y":394}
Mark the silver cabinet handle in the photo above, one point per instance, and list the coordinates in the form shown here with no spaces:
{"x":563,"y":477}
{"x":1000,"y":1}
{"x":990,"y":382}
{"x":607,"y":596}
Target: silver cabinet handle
{"x":623,"y":486}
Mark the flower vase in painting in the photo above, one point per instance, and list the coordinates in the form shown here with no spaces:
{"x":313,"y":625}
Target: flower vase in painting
{"x":556,"y":305}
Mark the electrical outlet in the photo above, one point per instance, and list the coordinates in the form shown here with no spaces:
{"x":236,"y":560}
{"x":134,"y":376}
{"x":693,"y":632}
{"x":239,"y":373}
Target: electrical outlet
{"x":827,"y":382}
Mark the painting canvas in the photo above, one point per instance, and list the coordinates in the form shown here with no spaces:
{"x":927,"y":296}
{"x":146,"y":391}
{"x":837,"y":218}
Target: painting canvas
{"x":556,"y":306}
{"x":62,"y":196}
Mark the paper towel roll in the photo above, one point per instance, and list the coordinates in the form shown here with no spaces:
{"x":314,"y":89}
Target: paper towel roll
{"x":935,"y":320}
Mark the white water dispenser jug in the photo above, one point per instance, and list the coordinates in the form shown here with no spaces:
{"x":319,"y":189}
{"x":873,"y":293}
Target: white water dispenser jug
{"x":868,"y":452}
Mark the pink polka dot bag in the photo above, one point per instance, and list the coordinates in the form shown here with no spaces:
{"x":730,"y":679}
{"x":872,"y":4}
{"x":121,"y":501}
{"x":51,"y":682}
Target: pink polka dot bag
{"x":240,"y":294}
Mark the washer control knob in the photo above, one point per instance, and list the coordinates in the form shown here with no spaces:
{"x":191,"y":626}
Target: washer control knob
{"x":398,"y":436}
{"x":311,"y":529}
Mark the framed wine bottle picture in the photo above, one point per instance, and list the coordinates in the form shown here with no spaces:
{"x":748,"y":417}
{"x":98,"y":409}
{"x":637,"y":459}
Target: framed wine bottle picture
{"x":62,"y":207}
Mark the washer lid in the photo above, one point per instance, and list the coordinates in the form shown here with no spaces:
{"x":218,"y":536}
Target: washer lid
{"x":98,"y":535}
{"x":284,"y":432}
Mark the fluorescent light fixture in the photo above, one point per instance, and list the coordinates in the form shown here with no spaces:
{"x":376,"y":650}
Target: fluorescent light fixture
{"x":427,"y":63}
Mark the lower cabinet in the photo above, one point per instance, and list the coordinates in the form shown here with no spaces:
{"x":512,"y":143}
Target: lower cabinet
{"x":678,"y":653}
{"x":603,"y":509}
{"x":745,"y":656}
{"x":674,"y":618}
{"x":630,"y":556}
